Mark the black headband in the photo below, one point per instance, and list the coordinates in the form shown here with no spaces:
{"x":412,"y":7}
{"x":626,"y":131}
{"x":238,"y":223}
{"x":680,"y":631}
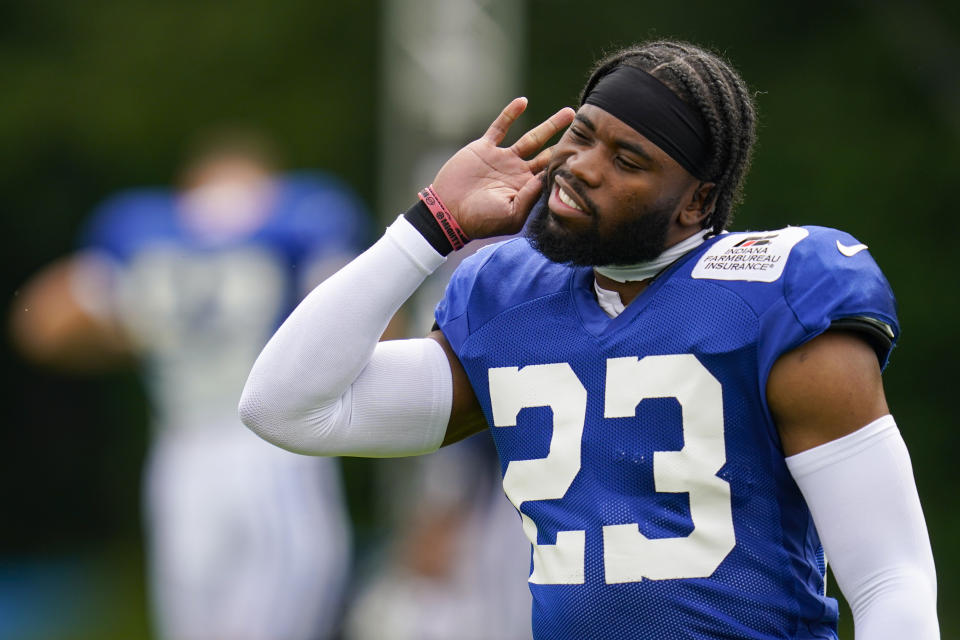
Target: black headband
{"x":648,"y":106}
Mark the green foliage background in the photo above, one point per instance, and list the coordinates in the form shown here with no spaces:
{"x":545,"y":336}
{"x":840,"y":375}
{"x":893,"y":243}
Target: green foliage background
{"x":860,"y":129}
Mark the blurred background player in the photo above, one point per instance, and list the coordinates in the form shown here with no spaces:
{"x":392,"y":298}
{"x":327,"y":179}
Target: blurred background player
{"x":245,"y":541}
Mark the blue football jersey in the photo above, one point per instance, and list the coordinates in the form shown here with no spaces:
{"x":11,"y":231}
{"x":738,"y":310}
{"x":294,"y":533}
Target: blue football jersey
{"x":640,"y":450}
{"x":201,"y":300}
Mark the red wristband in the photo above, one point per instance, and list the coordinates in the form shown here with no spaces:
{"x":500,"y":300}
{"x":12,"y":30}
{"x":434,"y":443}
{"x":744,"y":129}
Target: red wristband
{"x":442,"y":215}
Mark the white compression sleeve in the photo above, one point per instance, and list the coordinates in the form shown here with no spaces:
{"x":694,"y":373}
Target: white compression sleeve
{"x":864,"y":502}
{"x":324,"y":385}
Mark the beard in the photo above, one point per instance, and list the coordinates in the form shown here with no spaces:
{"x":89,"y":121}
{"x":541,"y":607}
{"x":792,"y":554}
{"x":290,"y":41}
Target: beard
{"x":639,"y":237}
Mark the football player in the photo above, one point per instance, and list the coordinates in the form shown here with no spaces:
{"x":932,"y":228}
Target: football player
{"x":245,"y":541}
{"x":690,"y":422}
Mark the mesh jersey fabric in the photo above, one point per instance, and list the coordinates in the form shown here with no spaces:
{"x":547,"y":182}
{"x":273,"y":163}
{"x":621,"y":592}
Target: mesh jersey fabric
{"x":693,"y":480}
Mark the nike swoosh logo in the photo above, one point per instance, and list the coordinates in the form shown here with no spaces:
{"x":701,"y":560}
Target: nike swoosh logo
{"x":850,"y":251}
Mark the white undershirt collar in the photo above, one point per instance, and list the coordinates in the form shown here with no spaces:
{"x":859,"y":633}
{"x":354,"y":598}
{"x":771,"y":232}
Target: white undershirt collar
{"x":610,"y":301}
{"x":650,"y":268}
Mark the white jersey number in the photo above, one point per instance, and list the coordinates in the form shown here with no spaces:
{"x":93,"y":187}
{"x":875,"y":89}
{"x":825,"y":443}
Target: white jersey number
{"x":628,"y":555}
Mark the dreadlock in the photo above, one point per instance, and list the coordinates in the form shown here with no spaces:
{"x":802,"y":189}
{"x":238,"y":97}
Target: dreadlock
{"x":708,"y":83}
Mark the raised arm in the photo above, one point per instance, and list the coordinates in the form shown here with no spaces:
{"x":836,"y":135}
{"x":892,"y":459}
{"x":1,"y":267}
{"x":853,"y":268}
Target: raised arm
{"x":847,"y":456}
{"x":324,"y":385}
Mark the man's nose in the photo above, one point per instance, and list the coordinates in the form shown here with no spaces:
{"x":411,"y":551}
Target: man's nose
{"x":585,"y":164}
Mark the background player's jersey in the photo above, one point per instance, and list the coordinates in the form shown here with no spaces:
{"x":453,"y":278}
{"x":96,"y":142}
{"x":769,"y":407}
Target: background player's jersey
{"x":640,"y":450}
{"x":201,"y":299}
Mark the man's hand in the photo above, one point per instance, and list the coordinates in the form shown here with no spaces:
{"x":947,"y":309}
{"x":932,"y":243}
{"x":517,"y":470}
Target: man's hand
{"x":489,"y":189}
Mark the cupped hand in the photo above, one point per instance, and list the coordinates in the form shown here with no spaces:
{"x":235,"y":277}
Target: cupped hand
{"x":490,"y":189}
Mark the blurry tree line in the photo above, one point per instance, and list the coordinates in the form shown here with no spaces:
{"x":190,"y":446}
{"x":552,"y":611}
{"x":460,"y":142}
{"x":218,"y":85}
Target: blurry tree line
{"x":859,"y":108}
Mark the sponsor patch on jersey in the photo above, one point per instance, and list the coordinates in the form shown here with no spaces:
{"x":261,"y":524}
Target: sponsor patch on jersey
{"x":756,"y":257}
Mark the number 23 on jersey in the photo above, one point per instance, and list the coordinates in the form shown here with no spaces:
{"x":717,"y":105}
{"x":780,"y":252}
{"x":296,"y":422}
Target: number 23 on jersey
{"x":628,"y":555}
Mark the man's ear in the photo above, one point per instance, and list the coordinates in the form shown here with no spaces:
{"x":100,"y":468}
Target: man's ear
{"x":699,"y":205}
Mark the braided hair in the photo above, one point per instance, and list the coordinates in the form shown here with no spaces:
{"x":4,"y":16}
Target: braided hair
{"x":708,"y":83}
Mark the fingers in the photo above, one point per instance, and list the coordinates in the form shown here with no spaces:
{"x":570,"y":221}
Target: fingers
{"x":539,"y":135}
{"x":527,"y":196}
{"x":498,"y":130}
{"x":539,"y":162}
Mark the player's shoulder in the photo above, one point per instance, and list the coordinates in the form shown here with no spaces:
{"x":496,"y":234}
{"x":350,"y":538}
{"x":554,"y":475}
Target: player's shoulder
{"x":837,"y":282}
{"x":501,"y":276}
{"x":313,"y":207}
{"x":132,"y":203}
{"x":809,"y":266}
{"x":128,"y":217}
{"x":310,"y":182}
{"x":834,"y":249}
{"x":512,"y":267}
{"x":829,"y":257}
{"x":790,"y":257}
{"x":812,"y":276}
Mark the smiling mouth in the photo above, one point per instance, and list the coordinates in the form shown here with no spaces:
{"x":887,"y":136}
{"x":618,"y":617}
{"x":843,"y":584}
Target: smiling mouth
{"x":565,"y":198}
{"x":567,"y":202}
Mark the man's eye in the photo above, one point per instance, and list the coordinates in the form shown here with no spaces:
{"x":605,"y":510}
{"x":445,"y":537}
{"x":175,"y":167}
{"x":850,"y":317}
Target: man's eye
{"x":627,"y":164}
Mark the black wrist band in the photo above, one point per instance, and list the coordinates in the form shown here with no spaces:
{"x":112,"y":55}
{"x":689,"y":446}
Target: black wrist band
{"x":423,"y":221}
